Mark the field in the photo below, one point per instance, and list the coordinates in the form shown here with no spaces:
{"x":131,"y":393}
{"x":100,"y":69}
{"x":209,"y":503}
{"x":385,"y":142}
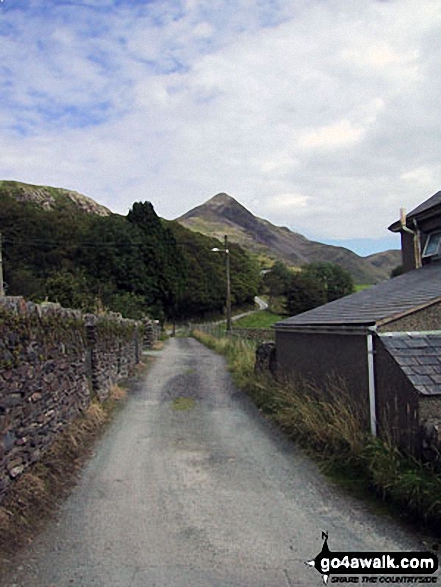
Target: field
{"x":263,"y":319}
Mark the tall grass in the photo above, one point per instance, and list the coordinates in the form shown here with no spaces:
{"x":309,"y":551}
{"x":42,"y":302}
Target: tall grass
{"x":238,"y":352}
{"x":332,"y":427}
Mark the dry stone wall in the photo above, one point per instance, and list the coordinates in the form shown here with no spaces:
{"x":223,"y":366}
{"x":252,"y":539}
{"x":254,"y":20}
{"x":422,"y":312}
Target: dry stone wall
{"x":254,"y":334}
{"x":53,"y":361}
{"x":113,"y":349}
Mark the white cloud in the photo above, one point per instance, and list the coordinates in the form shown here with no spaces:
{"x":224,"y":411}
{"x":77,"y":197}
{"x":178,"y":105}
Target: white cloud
{"x":379,"y":55}
{"x":287,"y":203}
{"x":324,"y":116}
{"x":421,"y":175}
{"x":341,"y":134}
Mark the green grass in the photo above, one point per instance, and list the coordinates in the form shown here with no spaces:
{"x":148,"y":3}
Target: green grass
{"x":183,"y":404}
{"x":361,"y":286}
{"x":328,"y":424}
{"x":262,"y":319}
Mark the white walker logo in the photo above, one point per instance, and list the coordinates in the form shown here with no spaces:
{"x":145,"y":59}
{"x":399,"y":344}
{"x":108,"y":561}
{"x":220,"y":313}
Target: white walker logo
{"x":373,"y":563}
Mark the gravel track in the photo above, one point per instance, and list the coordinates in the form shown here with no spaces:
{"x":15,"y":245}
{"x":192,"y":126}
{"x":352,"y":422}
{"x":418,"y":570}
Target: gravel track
{"x":207,"y":495}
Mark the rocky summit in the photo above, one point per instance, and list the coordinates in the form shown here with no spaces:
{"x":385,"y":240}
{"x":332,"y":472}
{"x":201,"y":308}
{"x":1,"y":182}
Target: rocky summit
{"x":50,"y":198}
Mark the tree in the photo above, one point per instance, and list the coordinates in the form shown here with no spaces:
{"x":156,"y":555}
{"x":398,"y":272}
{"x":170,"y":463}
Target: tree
{"x":129,"y":304}
{"x":70,"y":290}
{"x":305,"y":292}
{"x":337,"y":282}
{"x":161,"y":255}
{"x":277,"y":279}
{"x":133,"y":265}
{"x":205,"y":282}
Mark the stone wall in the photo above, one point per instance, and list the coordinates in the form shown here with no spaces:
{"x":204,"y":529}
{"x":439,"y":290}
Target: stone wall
{"x":255,"y":334}
{"x":266,"y":358}
{"x":52,"y":362}
{"x":112,"y":350}
{"x":430,"y":428}
{"x":425,"y":319}
{"x":152,"y":331}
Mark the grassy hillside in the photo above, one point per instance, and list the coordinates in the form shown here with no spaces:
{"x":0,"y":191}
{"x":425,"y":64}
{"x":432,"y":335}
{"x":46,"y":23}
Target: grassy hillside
{"x":50,"y":198}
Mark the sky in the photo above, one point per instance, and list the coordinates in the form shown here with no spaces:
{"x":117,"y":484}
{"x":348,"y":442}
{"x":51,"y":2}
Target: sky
{"x":320,"y":115}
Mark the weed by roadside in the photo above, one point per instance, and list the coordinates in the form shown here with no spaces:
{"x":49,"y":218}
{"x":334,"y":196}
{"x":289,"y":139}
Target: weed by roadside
{"x":239,"y":354}
{"x":330,"y":427}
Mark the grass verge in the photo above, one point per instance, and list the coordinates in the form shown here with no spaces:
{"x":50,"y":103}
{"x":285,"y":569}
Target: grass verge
{"x":329,"y":426}
{"x":37,"y":493}
{"x":260,"y":319}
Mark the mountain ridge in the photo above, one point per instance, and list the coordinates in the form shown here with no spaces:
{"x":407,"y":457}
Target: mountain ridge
{"x":51,"y":198}
{"x":222,"y":214}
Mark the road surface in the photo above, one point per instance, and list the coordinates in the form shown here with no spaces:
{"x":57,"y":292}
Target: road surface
{"x":191,"y":487}
{"x":262,"y":306}
{"x":261,"y":303}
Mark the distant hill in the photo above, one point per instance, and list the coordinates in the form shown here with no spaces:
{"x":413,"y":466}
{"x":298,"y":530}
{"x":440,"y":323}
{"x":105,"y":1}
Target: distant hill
{"x":386,"y":260}
{"x":64,"y":247}
{"x":222,"y":215}
{"x":50,"y":198}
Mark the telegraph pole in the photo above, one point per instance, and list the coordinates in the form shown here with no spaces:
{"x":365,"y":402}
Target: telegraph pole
{"x":227,"y":266}
{"x":227,"y":269}
{"x":2,"y":287}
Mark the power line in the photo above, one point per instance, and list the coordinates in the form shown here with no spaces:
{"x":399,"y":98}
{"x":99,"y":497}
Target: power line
{"x":37,"y":241}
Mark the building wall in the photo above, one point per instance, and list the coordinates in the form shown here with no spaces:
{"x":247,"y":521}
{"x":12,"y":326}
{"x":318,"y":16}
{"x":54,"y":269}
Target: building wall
{"x":407,"y":251}
{"x":428,"y":318}
{"x":53,"y":361}
{"x":430,"y":410}
{"x":397,"y":402}
{"x":326,"y":358}
{"x":429,"y":226}
{"x":403,"y":415}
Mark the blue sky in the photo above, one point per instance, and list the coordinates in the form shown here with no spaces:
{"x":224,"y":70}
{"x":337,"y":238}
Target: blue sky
{"x":319,"y":115}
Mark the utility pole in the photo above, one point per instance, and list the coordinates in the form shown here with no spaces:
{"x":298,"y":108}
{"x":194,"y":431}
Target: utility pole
{"x":2,"y":287}
{"x":227,"y":269}
{"x":227,"y":266}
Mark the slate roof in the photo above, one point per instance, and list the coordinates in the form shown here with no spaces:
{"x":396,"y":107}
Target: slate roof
{"x":419,"y":356}
{"x":432,"y":202}
{"x":366,"y":308}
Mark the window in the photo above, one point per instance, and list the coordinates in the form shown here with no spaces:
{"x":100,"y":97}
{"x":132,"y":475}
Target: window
{"x":432,"y":245}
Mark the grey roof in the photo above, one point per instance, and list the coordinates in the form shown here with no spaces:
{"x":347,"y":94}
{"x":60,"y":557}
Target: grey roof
{"x":370,"y":306}
{"x":432,"y":202}
{"x":419,"y":356}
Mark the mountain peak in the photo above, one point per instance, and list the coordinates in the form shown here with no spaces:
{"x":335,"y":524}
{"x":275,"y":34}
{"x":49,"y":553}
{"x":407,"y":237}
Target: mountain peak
{"x":223,"y":215}
{"x":220,"y":200}
{"x":221,"y":197}
{"x":222,"y":208}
